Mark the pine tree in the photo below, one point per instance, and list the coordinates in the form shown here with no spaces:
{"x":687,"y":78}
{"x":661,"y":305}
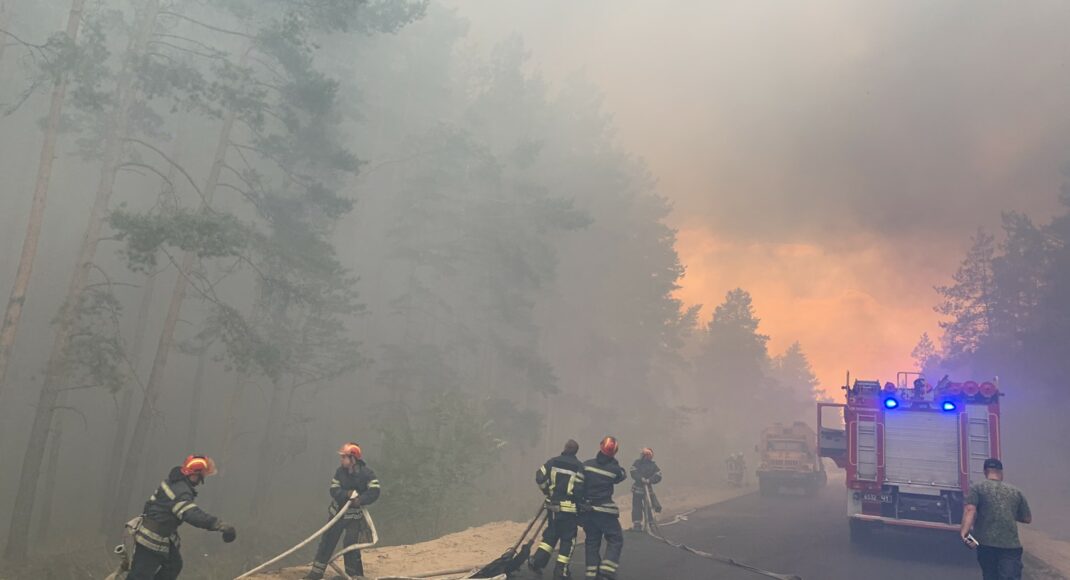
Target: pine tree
{"x":792,"y":370}
{"x":924,"y":353}
{"x":969,"y":302}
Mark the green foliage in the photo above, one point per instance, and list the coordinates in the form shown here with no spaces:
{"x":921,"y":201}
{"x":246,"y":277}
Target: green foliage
{"x":247,"y":350}
{"x":433,"y":460}
{"x":206,"y":233}
{"x":968,"y":302}
{"x":94,"y":355}
{"x":734,"y":352}
{"x":924,"y":353}
{"x":792,"y":371}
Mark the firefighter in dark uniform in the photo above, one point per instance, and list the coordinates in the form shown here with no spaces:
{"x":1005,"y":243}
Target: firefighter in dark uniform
{"x":156,"y":551}
{"x":560,"y":479}
{"x":643,"y":471}
{"x":601,"y":518}
{"x":353,"y":480}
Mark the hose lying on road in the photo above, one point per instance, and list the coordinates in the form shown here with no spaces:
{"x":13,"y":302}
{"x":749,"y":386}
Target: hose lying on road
{"x":680,"y":517}
{"x":455,"y":574}
{"x":653,"y":531}
{"x":341,"y":513}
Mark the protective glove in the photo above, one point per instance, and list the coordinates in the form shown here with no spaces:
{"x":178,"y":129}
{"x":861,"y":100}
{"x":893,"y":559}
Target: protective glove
{"x":229,"y":533}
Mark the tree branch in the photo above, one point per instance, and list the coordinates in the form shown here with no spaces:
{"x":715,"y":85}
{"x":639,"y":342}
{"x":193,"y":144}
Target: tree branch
{"x":206,"y":25}
{"x":23,"y":98}
{"x":21,"y":41}
{"x":191,"y":41}
{"x":173,"y":164}
{"x":85,"y":422}
{"x":269,"y":68}
{"x":188,"y":50}
{"x":150,"y":168}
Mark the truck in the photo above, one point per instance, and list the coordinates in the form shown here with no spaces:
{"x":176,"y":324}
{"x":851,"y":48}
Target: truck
{"x":910,"y":449}
{"x":789,"y":460}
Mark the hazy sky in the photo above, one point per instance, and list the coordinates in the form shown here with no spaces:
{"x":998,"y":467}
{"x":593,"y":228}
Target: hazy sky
{"x":831,"y":156}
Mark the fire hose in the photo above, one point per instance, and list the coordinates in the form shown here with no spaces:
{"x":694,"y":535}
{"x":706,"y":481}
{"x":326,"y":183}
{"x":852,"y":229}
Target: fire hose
{"x":338,"y":516}
{"x":652,"y":529}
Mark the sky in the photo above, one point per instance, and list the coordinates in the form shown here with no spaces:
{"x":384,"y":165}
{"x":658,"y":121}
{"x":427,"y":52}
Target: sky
{"x":833,"y":157}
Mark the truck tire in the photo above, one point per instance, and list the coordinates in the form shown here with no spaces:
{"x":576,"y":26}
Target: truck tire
{"x":765,"y":487}
{"x":860,"y":531}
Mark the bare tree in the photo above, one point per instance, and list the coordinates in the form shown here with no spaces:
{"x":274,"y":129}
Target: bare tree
{"x":13,"y":312}
{"x":52,"y":389}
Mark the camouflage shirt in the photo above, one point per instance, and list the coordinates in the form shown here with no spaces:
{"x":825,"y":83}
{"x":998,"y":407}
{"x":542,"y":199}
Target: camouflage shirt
{"x":999,"y":507}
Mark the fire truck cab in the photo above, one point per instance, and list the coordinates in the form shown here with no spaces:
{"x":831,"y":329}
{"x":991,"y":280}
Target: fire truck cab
{"x":910,"y":449}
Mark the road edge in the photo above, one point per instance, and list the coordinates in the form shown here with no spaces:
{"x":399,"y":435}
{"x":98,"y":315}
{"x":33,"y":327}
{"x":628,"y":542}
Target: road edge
{"x":1052,"y":553}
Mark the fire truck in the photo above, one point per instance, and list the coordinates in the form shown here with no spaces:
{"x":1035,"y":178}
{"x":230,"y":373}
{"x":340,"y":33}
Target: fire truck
{"x":910,"y":449}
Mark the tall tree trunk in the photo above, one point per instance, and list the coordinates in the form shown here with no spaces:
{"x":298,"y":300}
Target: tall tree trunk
{"x":5,"y":17}
{"x":55,"y":445}
{"x":110,"y":514}
{"x":13,"y":312}
{"x":19,"y":529}
{"x":268,"y":454}
{"x":195,"y":403}
{"x":132,"y":461}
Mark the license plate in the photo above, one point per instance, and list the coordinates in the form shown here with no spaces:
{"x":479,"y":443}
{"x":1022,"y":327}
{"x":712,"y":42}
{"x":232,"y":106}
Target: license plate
{"x":877,"y":497}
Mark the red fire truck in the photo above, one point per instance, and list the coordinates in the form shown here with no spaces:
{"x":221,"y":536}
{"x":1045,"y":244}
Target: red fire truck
{"x":910,"y":449}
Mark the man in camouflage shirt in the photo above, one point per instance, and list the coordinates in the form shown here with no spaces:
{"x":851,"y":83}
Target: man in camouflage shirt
{"x":993,"y":509}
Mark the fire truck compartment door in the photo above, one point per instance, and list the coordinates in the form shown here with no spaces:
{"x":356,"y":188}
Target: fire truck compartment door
{"x":922,"y":448}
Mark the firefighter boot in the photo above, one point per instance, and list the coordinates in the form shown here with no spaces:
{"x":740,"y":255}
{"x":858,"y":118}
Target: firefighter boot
{"x":561,"y":572}
{"x":637,"y":526}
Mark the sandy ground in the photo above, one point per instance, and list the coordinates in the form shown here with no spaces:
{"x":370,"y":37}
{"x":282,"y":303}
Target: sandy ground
{"x":1054,"y":553}
{"x":477,"y":546}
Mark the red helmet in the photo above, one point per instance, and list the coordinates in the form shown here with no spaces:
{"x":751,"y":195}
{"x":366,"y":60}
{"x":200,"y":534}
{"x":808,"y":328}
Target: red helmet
{"x":608,"y":446}
{"x":647,"y":453}
{"x":198,"y":465}
{"x":351,"y":449}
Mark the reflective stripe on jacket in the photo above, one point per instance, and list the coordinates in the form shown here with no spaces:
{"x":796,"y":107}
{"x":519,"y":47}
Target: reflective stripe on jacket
{"x":644,"y":468}
{"x":169,"y":507}
{"x":361,"y":480}
{"x":561,"y":479}
{"x":599,"y":476}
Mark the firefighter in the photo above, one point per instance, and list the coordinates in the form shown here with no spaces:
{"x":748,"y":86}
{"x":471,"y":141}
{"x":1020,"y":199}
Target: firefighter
{"x":560,"y":479}
{"x":156,"y":541}
{"x":353,"y":480}
{"x":644,"y":472}
{"x":736,"y":467}
{"x":601,"y":518}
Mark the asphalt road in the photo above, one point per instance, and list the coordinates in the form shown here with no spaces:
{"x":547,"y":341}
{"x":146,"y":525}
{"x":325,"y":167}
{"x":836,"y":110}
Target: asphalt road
{"x":806,"y":536}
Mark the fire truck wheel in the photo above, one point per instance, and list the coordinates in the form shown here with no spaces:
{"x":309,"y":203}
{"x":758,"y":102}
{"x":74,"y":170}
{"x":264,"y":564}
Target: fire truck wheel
{"x":860,"y":531}
{"x":765,"y":487}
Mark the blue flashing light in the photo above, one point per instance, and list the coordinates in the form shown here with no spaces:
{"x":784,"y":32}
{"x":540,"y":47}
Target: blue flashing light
{"x":890,"y":403}
{"x":949,"y":406}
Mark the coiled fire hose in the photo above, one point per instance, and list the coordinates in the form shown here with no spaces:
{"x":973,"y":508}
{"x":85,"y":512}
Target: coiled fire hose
{"x":341,"y":513}
{"x":652,"y":529}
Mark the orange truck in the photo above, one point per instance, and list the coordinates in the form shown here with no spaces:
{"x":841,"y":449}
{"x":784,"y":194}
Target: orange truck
{"x":789,"y":460}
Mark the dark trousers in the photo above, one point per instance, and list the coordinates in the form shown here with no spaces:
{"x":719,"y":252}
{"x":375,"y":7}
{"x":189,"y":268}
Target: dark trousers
{"x":560,"y":527}
{"x":598,"y":525}
{"x":353,"y":530}
{"x":151,"y":565}
{"x":638,"y":499}
{"x":1000,"y":563}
